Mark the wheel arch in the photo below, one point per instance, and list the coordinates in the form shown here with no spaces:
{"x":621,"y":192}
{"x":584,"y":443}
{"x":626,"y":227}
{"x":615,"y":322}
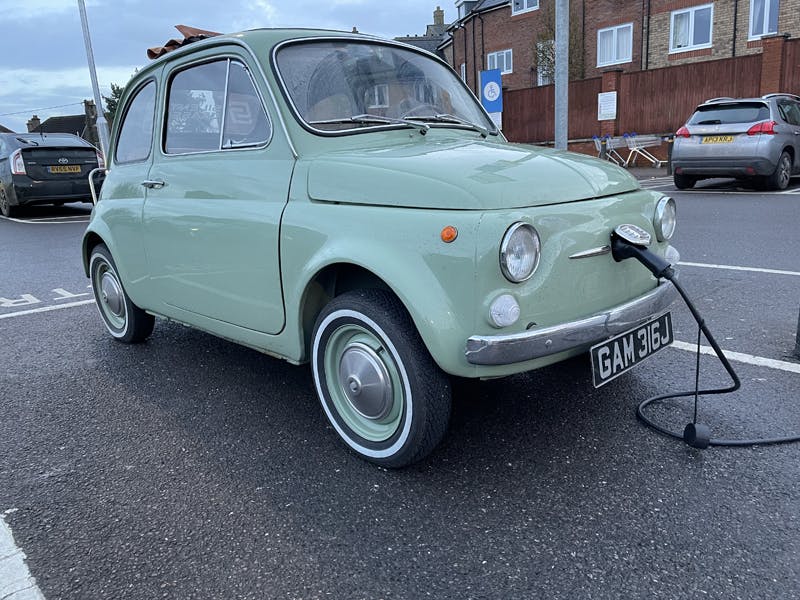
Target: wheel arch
{"x":90,"y":240}
{"x":326,"y":284}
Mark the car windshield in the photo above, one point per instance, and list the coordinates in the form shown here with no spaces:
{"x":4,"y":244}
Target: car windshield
{"x":724,"y":114}
{"x":347,"y":85}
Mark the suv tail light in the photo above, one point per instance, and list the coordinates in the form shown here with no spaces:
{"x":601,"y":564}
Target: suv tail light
{"x":683,"y":132}
{"x":17,"y":164}
{"x":101,"y":162}
{"x":767,"y":127}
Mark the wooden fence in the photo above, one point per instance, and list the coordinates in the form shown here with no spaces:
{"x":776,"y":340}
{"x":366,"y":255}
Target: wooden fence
{"x":656,"y":101}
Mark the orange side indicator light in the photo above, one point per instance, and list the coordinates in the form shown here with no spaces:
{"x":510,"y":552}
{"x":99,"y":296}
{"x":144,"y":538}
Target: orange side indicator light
{"x":449,"y":234}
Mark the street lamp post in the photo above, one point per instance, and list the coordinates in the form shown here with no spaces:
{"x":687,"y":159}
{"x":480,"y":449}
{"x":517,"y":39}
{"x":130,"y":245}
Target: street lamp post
{"x":562,"y":74}
{"x":102,"y":124}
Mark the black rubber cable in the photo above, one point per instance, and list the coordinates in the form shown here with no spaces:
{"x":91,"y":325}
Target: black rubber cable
{"x":670,"y":275}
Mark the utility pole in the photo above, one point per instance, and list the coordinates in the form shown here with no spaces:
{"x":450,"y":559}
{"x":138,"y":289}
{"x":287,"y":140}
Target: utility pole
{"x":562,"y":73}
{"x":102,"y":124}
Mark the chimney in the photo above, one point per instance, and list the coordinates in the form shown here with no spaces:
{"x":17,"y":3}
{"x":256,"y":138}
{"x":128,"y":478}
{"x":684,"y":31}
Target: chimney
{"x":89,"y":132}
{"x":438,"y":16}
{"x":34,"y":123}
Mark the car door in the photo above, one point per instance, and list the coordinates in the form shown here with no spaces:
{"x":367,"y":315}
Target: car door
{"x":122,"y":198}
{"x":215,"y":197}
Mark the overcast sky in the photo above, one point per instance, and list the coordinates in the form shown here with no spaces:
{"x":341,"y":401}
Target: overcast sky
{"x":43,"y":57}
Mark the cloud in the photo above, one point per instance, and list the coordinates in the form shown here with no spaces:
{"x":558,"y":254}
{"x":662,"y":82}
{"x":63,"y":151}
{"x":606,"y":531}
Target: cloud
{"x":22,"y":83}
{"x":37,"y":9}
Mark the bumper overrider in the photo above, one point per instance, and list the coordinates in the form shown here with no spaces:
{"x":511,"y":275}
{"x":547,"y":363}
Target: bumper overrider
{"x":515,"y":348}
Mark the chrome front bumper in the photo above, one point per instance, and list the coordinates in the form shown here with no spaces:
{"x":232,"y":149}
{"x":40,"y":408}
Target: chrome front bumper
{"x":509,"y":349}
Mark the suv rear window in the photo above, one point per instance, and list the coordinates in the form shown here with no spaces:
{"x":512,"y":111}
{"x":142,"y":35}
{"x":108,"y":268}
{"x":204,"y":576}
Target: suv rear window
{"x":724,"y":114}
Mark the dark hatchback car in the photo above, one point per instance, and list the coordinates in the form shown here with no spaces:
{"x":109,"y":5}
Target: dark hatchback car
{"x":49,"y":168}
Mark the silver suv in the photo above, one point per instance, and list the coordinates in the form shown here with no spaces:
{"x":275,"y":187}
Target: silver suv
{"x":745,"y":138}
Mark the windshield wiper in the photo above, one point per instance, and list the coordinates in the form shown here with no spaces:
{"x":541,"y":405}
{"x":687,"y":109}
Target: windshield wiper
{"x":25,"y":141}
{"x":448,"y":118}
{"x":374,"y":119}
{"x":710,"y":122}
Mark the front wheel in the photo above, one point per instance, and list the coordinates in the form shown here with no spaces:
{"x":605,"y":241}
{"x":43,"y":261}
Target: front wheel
{"x":379,"y":386}
{"x":126,"y":322}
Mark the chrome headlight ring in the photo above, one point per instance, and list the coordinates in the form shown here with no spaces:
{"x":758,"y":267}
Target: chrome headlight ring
{"x":520,"y":252}
{"x":665,"y":219}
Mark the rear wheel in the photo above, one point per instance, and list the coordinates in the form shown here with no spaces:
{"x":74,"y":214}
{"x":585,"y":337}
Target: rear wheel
{"x":779,"y":180}
{"x":380,"y":389}
{"x":5,"y":204}
{"x":683,"y":182}
{"x":126,"y":322}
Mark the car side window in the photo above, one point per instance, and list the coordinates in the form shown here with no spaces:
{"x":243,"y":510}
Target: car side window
{"x":246,"y":123}
{"x":793,"y":113}
{"x":135,"y":137}
{"x":214,"y":106}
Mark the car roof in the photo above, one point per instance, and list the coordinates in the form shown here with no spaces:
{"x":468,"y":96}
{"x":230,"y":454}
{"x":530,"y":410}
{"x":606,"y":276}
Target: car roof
{"x":260,"y":38}
{"x":29,"y":140}
{"x":762,"y":99}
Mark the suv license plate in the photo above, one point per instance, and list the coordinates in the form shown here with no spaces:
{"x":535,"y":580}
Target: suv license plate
{"x":615,"y":356}
{"x":717,"y":139}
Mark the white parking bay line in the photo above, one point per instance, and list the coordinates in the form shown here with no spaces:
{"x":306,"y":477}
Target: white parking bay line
{"x":16,"y":582}
{"x":736,"y":268}
{"x":42,"y":309}
{"x":758,"y":361}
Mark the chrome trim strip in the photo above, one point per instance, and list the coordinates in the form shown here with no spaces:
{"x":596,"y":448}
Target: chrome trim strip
{"x":92,"y":189}
{"x":593,"y":252}
{"x":515,"y":348}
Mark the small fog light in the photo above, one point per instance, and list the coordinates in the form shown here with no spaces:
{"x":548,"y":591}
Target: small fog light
{"x":504,"y":311}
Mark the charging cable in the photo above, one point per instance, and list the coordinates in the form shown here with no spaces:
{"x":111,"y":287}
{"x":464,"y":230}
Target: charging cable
{"x":630,"y":241}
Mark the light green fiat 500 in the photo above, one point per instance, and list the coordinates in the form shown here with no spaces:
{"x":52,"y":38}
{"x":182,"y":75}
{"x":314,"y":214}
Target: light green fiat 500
{"x":345,"y":201}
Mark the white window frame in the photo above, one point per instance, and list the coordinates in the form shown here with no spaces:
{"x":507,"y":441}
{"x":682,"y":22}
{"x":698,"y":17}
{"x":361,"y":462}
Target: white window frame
{"x":616,"y":30}
{"x":529,"y":5}
{"x":757,"y":36}
{"x":691,"y":11}
{"x":508,"y":61}
{"x":378,"y":90}
{"x":545,"y":70}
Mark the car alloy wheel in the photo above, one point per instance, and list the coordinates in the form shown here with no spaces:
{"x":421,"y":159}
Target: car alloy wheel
{"x":5,"y":204}
{"x":378,"y":386}
{"x":125,"y":321}
{"x":779,"y":180}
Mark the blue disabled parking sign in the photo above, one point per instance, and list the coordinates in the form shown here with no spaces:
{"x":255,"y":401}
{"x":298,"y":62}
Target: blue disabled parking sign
{"x":492,"y":91}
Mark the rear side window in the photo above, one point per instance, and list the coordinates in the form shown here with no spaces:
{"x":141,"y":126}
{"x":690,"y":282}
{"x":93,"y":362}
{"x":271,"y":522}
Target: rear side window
{"x":136,"y":132}
{"x":214,"y":106}
{"x":725,"y":114}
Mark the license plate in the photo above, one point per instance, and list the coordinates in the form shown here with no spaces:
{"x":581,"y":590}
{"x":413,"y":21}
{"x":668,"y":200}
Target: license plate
{"x":64,"y":168}
{"x":615,"y":356}
{"x":717,"y":139}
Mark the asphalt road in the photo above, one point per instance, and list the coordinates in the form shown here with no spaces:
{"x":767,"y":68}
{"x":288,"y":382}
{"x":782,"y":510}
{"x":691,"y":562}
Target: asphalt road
{"x":189,"y":467}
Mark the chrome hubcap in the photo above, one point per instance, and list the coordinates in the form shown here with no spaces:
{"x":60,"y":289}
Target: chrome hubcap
{"x":365,"y":382}
{"x":111,"y":294}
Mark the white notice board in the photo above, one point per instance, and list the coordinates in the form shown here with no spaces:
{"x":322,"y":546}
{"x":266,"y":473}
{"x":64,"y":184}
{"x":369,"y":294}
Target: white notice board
{"x":606,"y":106}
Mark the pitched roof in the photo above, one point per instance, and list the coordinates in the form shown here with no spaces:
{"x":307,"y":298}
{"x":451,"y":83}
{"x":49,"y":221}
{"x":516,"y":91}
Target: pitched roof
{"x":488,"y":5}
{"x":68,"y":124}
{"x":431,"y":44}
{"x":5,"y":130}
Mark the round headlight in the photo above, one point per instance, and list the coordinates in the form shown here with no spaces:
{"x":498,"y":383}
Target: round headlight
{"x":665,"y":219}
{"x":519,"y":252}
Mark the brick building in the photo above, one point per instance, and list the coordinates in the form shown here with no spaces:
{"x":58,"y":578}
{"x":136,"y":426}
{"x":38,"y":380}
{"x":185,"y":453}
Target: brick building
{"x":84,"y":125}
{"x":433,"y":37}
{"x":628,"y":35}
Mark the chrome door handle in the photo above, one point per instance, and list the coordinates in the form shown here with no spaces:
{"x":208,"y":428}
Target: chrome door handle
{"x":153,"y":184}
